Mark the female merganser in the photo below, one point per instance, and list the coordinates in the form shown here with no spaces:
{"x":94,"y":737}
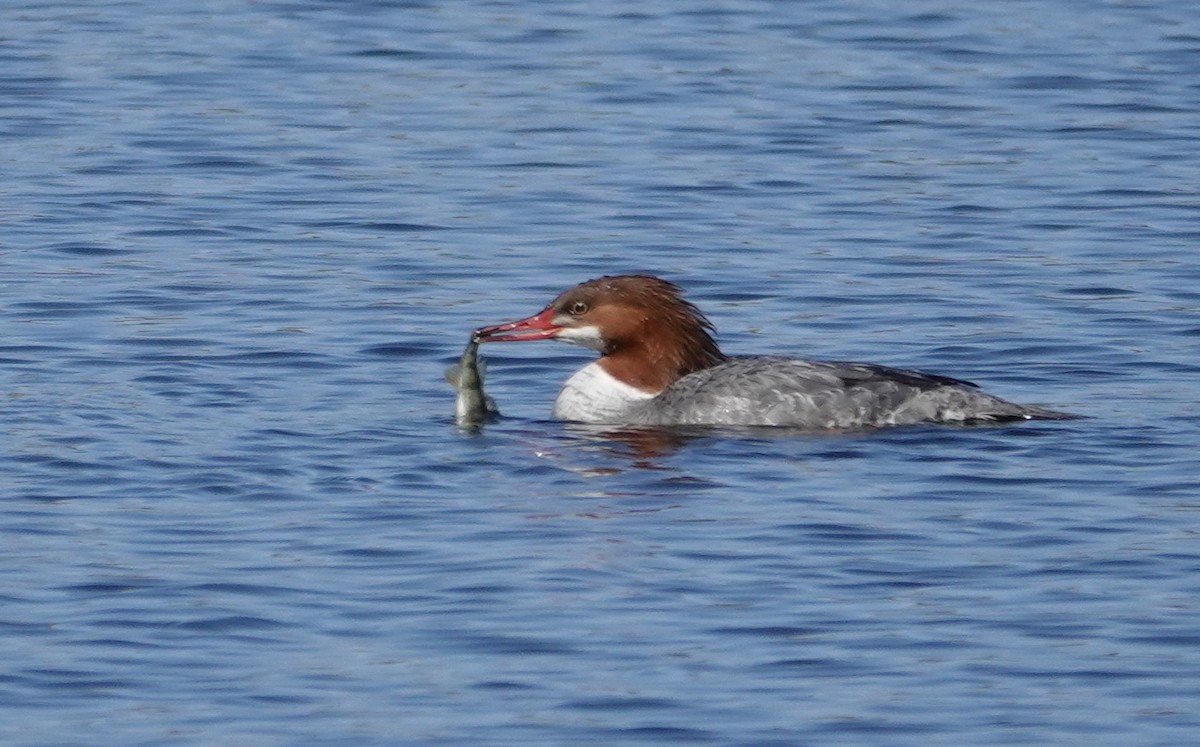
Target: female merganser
{"x":659,"y":365}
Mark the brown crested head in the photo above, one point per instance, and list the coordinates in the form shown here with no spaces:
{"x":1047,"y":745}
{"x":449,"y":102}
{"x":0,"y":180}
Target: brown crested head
{"x":650,"y":336}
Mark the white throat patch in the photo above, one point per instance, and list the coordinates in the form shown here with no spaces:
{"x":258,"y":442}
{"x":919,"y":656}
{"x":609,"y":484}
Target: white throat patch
{"x":588,"y":337}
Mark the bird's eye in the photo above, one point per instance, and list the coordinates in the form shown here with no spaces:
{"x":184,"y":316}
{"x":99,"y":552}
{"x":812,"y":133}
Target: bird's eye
{"x":579,"y":307}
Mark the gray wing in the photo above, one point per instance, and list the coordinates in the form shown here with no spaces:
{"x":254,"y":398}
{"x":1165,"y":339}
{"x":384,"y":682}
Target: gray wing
{"x":820,"y":395}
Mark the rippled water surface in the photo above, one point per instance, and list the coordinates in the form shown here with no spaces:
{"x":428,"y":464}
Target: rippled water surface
{"x":240,"y":241}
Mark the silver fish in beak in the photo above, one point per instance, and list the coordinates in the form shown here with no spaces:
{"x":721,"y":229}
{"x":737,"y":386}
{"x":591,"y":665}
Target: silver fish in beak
{"x":472,"y":406}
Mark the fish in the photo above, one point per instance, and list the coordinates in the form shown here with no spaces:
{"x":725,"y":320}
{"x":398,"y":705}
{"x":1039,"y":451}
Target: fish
{"x":472,"y":406}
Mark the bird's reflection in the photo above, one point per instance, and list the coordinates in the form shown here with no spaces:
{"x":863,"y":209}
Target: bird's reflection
{"x":643,"y":445}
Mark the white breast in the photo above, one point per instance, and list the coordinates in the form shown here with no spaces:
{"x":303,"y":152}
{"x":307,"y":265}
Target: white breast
{"x":592,"y":395}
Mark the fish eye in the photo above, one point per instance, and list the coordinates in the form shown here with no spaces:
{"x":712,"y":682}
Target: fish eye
{"x":577,"y":308}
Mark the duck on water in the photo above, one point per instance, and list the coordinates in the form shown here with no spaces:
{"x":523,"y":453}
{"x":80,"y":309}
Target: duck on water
{"x":659,"y":365}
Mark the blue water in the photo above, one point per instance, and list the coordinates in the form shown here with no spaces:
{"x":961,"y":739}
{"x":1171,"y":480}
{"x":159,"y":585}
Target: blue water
{"x":240,"y":241}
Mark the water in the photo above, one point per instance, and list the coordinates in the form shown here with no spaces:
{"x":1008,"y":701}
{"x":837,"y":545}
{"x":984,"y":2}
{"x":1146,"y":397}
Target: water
{"x":240,"y":241}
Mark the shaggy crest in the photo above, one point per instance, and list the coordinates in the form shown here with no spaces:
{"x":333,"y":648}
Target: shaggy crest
{"x":653,"y":336}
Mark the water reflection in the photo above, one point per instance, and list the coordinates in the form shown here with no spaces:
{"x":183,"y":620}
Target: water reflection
{"x":641,"y":444}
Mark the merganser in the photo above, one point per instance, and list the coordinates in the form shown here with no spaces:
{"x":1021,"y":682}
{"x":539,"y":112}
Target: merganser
{"x":659,"y":365}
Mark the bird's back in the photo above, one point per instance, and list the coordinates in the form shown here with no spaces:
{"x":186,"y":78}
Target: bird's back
{"x":823,"y":395}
